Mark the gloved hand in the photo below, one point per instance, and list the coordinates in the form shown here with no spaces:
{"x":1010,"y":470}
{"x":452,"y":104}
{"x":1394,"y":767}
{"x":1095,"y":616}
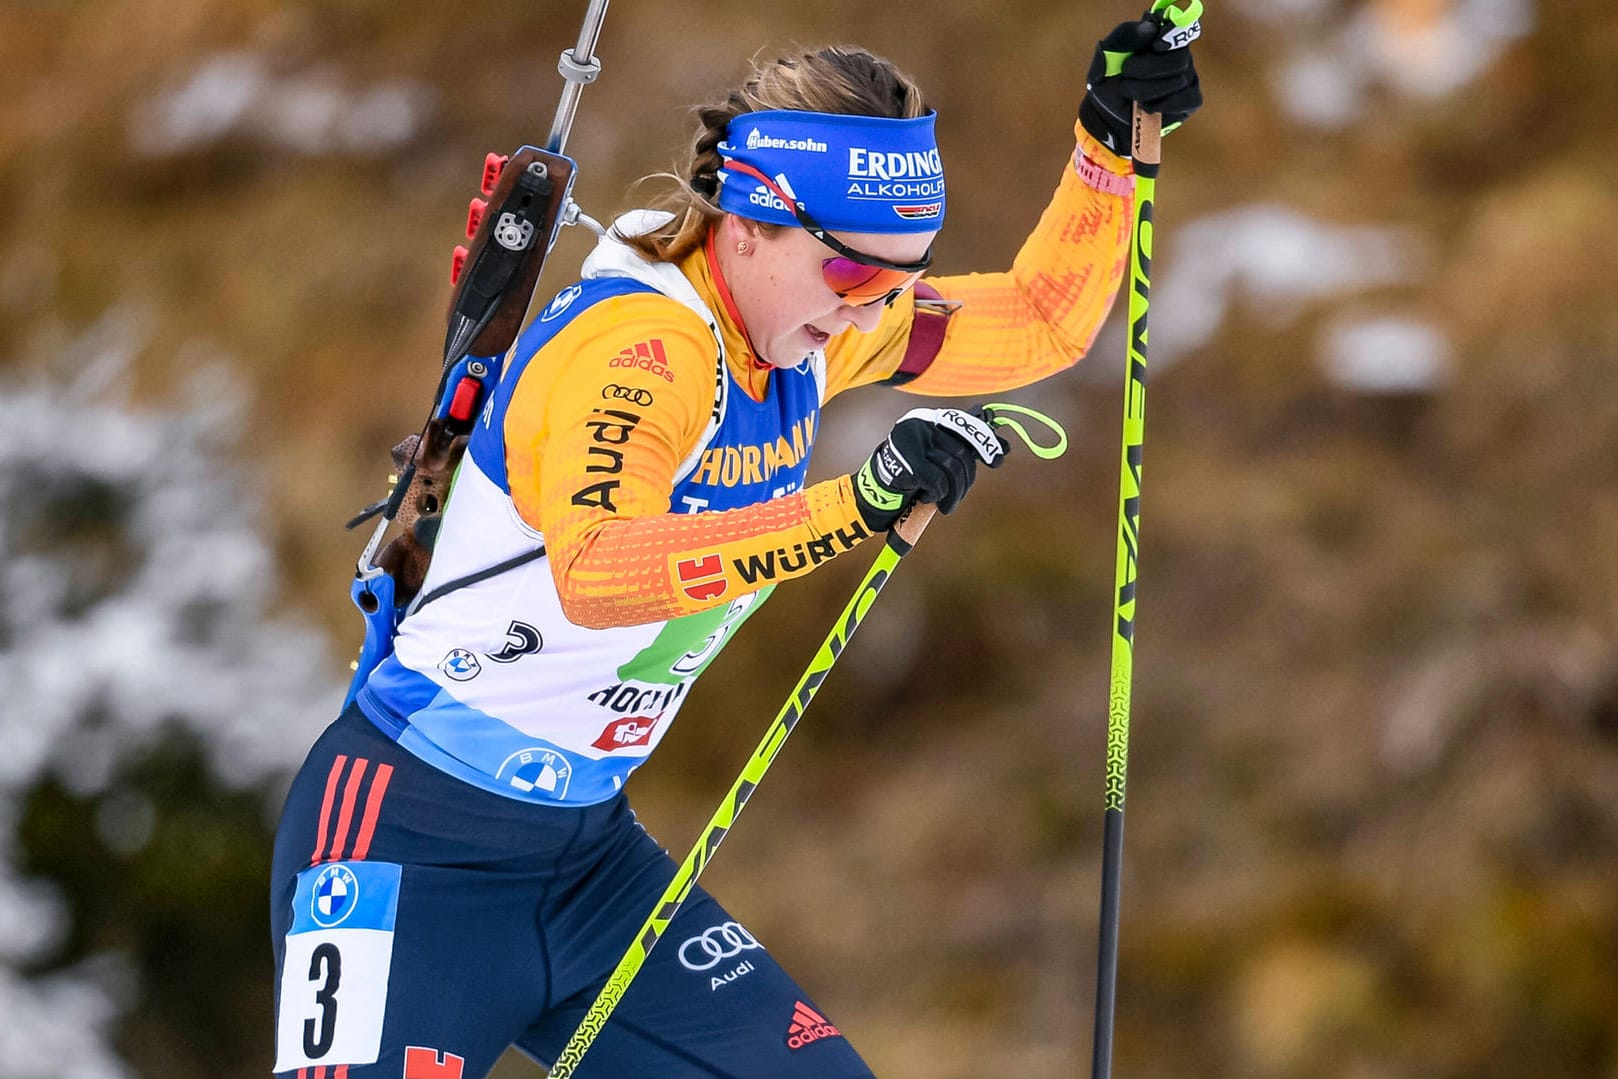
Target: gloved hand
{"x":1162,"y":78}
{"x":931,"y":455}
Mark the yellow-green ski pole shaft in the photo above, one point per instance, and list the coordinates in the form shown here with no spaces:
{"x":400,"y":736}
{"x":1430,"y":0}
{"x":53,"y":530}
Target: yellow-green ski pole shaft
{"x":1147,"y":154}
{"x":900,"y":540}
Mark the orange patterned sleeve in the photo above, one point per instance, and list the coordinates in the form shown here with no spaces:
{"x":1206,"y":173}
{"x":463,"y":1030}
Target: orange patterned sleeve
{"x":1019,"y":326}
{"x":596,"y":432}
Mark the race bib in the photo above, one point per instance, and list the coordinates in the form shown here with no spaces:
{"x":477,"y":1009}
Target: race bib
{"x":334,"y":984}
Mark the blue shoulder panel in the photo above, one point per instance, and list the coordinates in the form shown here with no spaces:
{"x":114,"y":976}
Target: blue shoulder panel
{"x":488,"y":442}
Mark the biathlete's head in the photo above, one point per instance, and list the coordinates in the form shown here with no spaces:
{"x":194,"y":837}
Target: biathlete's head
{"x":817,"y":189}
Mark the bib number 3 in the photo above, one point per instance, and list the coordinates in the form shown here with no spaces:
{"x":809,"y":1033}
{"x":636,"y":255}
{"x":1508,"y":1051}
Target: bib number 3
{"x":333,"y":989}
{"x":325,"y":967}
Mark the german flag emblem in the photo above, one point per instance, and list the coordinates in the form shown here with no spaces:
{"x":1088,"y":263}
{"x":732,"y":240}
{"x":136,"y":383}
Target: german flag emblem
{"x":702,"y":578}
{"x":920,"y":211}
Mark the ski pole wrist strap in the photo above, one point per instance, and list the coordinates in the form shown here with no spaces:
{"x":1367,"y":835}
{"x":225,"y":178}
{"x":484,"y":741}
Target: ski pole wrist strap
{"x":1004,"y":415}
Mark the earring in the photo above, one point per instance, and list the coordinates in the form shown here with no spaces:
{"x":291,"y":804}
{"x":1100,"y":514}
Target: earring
{"x":743,"y":247}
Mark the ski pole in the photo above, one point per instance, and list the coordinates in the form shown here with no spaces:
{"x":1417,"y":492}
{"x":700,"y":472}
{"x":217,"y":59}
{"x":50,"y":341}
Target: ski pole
{"x":899,"y":542}
{"x":1147,"y":153}
{"x":903,"y":536}
{"x":1146,"y":135}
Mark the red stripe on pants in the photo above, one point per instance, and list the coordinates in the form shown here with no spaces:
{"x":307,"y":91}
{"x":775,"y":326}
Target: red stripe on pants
{"x":373,"y":809}
{"x":351,"y":793}
{"x":325,"y":816}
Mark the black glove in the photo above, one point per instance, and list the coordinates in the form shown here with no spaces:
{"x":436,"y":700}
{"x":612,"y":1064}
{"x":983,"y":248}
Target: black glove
{"x":930,"y":456}
{"x":1161,"y":77}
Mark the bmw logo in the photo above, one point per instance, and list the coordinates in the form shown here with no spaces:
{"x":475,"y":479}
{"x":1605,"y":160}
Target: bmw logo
{"x":461,"y":665}
{"x":563,"y":301}
{"x":543,"y":770}
{"x":336,"y":892}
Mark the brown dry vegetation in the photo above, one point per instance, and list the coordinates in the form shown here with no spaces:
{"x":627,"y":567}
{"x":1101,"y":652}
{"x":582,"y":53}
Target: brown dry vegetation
{"x":1373,"y":823}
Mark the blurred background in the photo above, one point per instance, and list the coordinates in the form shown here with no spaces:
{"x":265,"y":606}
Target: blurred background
{"x":1373,"y":798}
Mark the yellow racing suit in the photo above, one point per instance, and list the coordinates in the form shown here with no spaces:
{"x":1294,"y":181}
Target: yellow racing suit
{"x":662,"y":469}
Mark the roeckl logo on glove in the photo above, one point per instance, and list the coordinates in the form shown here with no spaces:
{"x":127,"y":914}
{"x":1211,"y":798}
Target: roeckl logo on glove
{"x":890,"y":463}
{"x":976,"y":431}
{"x":1178,"y":37}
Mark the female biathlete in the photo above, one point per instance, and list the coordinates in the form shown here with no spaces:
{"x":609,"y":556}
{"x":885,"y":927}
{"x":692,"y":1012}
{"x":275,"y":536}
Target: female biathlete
{"x":457,"y":869}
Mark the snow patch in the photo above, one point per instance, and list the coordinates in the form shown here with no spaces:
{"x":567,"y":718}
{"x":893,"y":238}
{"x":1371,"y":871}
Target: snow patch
{"x":58,"y":1026}
{"x":1272,"y":257}
{"x":309,"y":112}
{"x":1328,"y":75}
{"x":1386,"y":355}
{"x":135,"y":582}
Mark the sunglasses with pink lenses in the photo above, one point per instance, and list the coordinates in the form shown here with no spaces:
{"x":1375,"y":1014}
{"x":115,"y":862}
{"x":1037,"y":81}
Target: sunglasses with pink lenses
{"x":853,"y":276}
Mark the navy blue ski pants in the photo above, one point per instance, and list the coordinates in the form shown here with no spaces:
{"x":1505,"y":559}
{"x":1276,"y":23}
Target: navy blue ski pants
{"x":421,"y":926}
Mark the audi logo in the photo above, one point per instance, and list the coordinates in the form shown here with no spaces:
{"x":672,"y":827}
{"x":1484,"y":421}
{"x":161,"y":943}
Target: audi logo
{"x":706,"y":950}
{"x":634,"y":395}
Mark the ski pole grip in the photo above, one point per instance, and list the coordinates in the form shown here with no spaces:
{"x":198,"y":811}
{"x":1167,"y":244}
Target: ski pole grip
{"x":909,"y":528}
{"x":1147,"y":142}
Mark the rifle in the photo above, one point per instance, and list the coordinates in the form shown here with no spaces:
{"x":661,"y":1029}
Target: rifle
{"x":511,"y":229}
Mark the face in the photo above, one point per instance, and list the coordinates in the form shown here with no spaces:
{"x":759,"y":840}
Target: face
{"x":782,"y":297}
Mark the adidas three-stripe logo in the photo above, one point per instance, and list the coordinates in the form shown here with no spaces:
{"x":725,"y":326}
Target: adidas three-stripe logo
{"x":332,"y":844}
{"x":808,"y":1026}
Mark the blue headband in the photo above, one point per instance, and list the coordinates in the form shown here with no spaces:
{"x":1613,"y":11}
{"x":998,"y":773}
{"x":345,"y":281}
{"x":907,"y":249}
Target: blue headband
{"x":852,"y":173}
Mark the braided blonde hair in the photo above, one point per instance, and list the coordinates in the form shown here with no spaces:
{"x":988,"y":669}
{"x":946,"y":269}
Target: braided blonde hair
{"x":837,"y":79}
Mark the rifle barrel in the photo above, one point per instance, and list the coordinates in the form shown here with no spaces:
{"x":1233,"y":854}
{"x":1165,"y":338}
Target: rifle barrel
{"x":578,"y":67}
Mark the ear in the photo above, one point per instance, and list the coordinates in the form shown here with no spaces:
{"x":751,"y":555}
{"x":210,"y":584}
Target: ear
{"x":741,"y":228}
